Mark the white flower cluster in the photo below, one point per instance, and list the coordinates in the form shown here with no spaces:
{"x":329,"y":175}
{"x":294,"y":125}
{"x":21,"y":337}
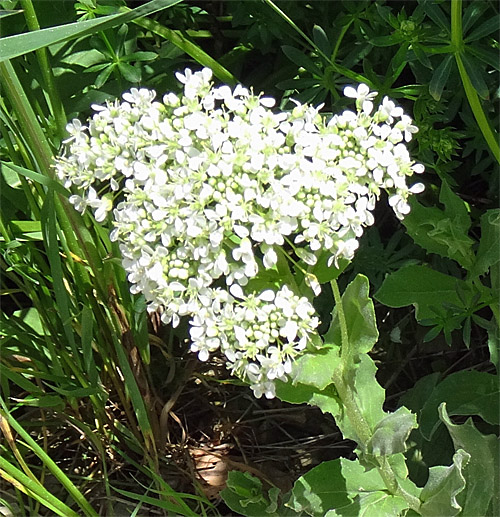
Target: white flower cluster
{"x":212,"y":184}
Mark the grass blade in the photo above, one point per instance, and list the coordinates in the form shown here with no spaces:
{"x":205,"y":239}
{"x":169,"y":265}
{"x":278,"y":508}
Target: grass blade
{"x":14,"y":46}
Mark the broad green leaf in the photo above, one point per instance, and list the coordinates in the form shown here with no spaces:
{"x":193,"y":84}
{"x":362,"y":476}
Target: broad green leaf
{"x":368,"y":491}
{"x":326,"y":400}
{"x":390,"y":433}
{"x":488,"y":252}
{"x":360,"y":317}
{"x":465,"y":393}
{"x":422,"y":287}
{"x":373,"y":504}
{"x":440,"y":77}
{"x":368,"y":394}
{"x":297,"y":57}
{"x":319,"y":490}
{"x":326,"y":273}
{"x":444,"y":484}
{"x":443,"y":232}
{"x":20,"y":44}
{"x":244,"y":494}
{"x":315,"y":369}
{"x":483,"y":469}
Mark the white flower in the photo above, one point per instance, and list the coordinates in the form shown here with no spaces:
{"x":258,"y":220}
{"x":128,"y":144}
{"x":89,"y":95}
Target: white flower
{"x":212,"y":183}
{"x":363,"y":97}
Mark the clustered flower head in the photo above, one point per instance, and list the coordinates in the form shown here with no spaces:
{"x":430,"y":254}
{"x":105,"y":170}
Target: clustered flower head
{"x":206,"y":188}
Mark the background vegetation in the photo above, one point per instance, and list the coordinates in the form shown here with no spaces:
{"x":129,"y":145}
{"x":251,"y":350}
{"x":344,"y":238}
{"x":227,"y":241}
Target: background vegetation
{"x":105,"y":412}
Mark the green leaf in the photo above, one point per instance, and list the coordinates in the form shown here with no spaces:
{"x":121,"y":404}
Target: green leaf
{"x":435,"y":13}
{"x":421,"y":287}
{"x":298,"y":393}
{"x":321,"y":40}
{"x":475,"y":74}
{"x":84,"y":58}
{"x":360,"y":317}
{"x":140,"y":56}
{"x":102,"y":78}
{"x":440,"y":77}
{"x":482,"y":471}
{"x":390,"y":433}
{"x":31,"y":317}
{"x":20,"y":44}
{"x":439,"y":232}
{"x":319,"y":490}
{"x":386,"y":41}
{"x":368,"y":491}
{"x":444,"y":484}
{"x":465,"y":393}
{"x":190,"y":48}
{"x":5,"y":13}
{"x":489,"y":26}
{"x":315,"y":369}
{"x":39,"y":178}
{"x":487,"y":253}
{"x":244,"y":495}
{"x":300,"y":59}
{"x":129,"y":72}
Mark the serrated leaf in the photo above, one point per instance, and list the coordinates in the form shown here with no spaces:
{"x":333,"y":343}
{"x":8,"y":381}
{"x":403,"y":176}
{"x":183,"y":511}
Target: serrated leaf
{"x":440,"y":77}
{"x":421,"y":287}
{"x":320,"y":490}
{"x":439,"y":232}
{"x":465,"y":393}
{"x":481,"y":473}
{"x":390,"y":433}
{"x":488,"y":252}
{"x":444,"y":484}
